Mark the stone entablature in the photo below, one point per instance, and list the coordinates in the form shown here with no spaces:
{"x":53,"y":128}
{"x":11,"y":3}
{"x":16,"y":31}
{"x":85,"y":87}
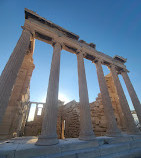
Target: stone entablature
{"x":49,"y":32}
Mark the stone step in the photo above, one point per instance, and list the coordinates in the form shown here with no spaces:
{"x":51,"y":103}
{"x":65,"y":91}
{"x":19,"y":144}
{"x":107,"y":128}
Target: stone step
{"x":102,"y":147}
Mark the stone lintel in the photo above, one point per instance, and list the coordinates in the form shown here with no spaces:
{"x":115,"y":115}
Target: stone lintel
{"x":48,"y":30}
{"x":70,"y":49}
{"x":34,"y":15}
{"x":117,"y":68}
{"x":120,"y":70}
{"x":32,"y":102}
{"x":89,"y":57}
{"x":43,"y":37}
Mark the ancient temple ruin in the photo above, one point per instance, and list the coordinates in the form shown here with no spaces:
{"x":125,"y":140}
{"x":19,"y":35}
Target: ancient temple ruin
{"x":109,"y":115}
{"x":68,"y":120}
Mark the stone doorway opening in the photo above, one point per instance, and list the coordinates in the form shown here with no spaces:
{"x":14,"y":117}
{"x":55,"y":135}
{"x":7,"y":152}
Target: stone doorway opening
{"x":63,"y":129}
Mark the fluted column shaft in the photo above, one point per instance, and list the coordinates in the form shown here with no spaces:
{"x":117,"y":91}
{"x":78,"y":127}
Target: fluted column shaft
{"x":129,"y":121}
{"x":10,"y":72}
{"x":86,"y":131}
{"x":132,"y":93}
{"x":48,"y":134}
{"x":112,"y":129}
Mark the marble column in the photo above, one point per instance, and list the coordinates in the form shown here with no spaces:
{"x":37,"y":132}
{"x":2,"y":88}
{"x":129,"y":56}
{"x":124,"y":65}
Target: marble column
{"x":86,"y":130}
{"x":129,"y":121}
{"x":36,"y":111}
{"x":112,"y":129}
{"x":48,"y":134}
{"x":10,"y":72}
{"x":132,"y":93}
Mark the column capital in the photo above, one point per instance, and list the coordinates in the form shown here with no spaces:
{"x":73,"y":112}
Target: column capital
{"x":97,"y":60}
{"x":123,"y":71}
{"x":57,"y":44}
{"x":27,"y":30}
{"x":81,"y":52}
{"x":78,"y":52}
{"x":111,"y":65}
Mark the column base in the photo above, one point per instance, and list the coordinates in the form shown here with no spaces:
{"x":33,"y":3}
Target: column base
{"x":114,"y":134}
{"x":44,"y":141}
{"x":87,"y":137}
{"x":134,"y":133}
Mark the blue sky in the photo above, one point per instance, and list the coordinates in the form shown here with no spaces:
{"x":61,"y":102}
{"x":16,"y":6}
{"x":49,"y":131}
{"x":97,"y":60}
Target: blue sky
{"x":114,"y":26}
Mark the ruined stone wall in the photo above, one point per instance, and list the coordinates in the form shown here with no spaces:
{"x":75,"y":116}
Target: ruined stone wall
{"x":71,"y":116}
{"x":71,"y":113}
{"x":16,"y":113}
{"x":97,"y":116}
{"x":68,"y":123}
{"x":33,"y":128}
{"x":115,"y":102}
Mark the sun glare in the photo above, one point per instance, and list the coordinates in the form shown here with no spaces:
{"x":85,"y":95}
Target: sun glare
{"x":63,"y":98}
